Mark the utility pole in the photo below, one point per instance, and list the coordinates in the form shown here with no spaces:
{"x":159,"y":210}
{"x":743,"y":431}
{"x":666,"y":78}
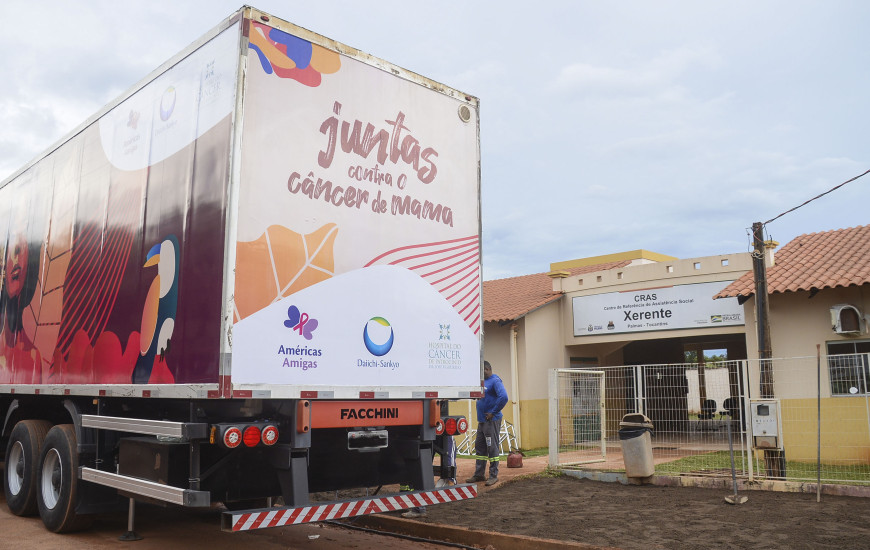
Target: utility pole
{"x":762,"y":310}
{"x":774,"y":459}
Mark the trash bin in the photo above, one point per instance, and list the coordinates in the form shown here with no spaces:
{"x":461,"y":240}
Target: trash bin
{"x":634,"y":436}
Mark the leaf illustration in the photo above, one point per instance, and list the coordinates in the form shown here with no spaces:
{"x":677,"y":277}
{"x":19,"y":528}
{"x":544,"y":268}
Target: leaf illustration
{"x":279,"y":263}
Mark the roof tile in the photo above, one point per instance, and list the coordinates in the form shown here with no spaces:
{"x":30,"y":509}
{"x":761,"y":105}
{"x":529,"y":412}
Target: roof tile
{"x":514,"y":297}
{"x":828,"y":259}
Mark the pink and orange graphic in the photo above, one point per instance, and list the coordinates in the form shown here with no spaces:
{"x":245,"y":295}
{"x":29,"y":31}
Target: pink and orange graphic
{"x":451,"y":267}
{"x":288,"y":56}
{"x":282,"y":262}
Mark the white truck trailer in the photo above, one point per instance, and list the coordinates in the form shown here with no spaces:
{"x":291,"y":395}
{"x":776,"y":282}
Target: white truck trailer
{"x":253,"y":275}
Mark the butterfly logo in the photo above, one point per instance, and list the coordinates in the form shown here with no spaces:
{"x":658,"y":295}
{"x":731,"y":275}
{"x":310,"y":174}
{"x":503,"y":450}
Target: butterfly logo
{"x":133,"y":119}
{"x":300,"y":322}
{"x":445,"y":332}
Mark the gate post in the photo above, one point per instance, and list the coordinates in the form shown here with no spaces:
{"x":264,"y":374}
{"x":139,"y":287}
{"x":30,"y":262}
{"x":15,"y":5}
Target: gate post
{"x":747,"y":432}
{"x":553,"y":392}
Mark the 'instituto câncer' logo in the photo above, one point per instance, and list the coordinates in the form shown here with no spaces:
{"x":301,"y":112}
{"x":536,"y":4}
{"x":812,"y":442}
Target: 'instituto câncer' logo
{"x":378,"y":336}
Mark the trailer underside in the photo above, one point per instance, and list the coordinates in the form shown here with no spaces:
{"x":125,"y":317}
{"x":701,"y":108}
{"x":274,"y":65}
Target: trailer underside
{"x":188,"y":453}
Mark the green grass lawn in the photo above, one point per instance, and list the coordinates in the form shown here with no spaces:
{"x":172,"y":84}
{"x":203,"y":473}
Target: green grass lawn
{"x":540,"y":451}
{"x":720,"y":460}
{"x":708,"y":461}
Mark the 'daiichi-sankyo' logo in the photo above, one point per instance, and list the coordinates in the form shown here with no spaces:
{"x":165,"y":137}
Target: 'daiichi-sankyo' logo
{"x":303,"y":323}
{"x":378,"y":336}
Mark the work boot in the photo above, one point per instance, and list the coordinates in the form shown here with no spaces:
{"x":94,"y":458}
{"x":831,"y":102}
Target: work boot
{"x":491,"y":481}
{"x":475,"y":479}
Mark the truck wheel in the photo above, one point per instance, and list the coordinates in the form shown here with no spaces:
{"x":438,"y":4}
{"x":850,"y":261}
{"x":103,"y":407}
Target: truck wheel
{"x":22,"y":465}
{"x":58,"y":482}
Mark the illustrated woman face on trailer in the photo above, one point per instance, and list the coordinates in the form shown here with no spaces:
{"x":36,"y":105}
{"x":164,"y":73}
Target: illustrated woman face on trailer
{"x":20,"y":270}
{"x":15,"y":268}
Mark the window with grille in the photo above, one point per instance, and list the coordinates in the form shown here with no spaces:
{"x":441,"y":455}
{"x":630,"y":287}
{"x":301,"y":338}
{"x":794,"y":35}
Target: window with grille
{"x":849,"y":367}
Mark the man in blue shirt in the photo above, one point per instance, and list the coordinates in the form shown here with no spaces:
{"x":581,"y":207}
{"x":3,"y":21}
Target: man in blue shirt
{"x":489,"y":426}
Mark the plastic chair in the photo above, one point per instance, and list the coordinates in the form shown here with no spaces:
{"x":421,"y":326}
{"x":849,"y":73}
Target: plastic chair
{"x":708,"y":412}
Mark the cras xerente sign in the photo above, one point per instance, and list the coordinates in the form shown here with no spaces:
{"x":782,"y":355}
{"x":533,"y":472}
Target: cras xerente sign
{"x":667,"y":308}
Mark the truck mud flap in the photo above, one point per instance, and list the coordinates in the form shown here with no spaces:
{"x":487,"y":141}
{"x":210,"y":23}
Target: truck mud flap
{"x":247,"y":520}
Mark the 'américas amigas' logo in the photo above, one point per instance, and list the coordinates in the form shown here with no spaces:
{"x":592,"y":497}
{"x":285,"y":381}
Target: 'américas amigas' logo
{"x":302,"y":323}
{"x":378,"y":336}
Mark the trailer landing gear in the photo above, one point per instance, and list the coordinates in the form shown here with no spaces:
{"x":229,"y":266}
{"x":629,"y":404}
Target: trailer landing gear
{"x":131,"y":535}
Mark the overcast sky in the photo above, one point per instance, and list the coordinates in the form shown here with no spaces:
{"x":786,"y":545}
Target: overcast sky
{"x":605,"y":126}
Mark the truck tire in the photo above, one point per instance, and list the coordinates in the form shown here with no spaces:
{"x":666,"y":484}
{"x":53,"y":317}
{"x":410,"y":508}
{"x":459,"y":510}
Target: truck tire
{"x":58,"y":482}
{"x":22,"y":465}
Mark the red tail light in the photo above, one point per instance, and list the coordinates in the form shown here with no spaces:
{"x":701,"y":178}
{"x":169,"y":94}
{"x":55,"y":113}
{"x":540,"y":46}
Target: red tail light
{"x":270,"y":435}
{"x":232,"y":437}
{"x":439,"y":427}
{"x":252,"y":434}
{"x":450,"y":426}
{"x":251,"y":437}
{"x":462,"y":425}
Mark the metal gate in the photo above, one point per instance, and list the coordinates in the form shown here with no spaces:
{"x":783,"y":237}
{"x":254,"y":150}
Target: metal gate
{"x":693,"y":407}
{"x":578,"y":419}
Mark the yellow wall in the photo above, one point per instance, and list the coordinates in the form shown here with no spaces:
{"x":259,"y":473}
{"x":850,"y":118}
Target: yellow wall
{"x":466,"y":408}
{"x":533,"y":413}
{"x":462,"y":407}
{"x":845,"y":434}
{"x":632,"y":255}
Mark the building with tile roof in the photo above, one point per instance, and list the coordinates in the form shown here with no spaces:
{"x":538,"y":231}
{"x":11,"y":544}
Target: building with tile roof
{"x":812,"y":262}
{"x":512,"y":298}
{"x":818,"y":300}
{"x":819,"y":295}
{"x":644,"y":313}
{"x":560,"y":319}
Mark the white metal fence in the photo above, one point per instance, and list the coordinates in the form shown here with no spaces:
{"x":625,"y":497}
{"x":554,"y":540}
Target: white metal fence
{"x":823,"y":403}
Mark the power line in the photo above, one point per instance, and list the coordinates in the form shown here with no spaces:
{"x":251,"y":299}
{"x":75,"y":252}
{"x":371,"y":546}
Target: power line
{"x":818,"y":196}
